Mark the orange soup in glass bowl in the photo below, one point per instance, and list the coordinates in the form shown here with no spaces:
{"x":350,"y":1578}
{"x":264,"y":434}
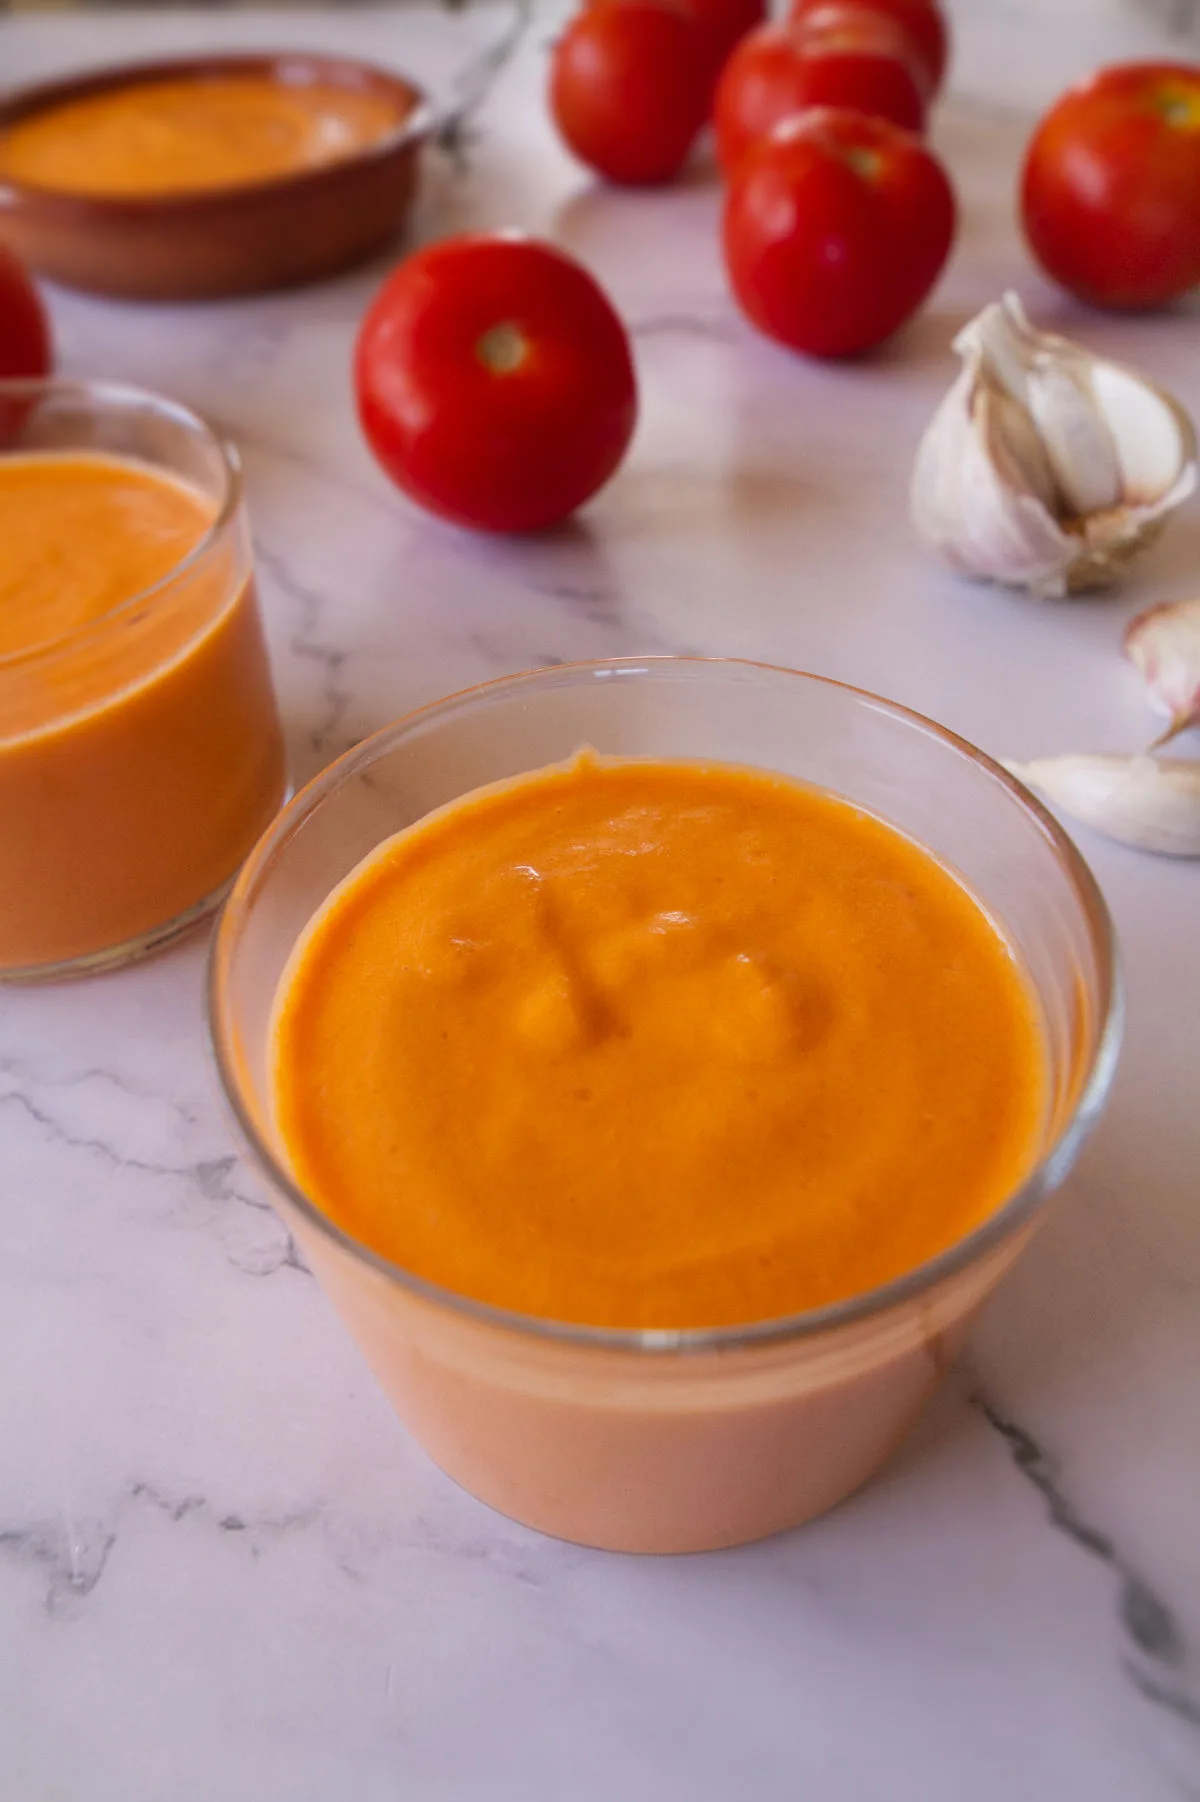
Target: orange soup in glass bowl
{"x":659,"y":1113}
{"x":140,"y":747}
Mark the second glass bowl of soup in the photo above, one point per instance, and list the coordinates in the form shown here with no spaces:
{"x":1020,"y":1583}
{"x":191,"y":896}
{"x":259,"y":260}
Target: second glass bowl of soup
{"x":661,"y":1419}
{"x":141,"y":754}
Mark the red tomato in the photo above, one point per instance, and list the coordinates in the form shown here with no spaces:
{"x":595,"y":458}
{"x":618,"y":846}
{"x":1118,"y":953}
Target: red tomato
{"x":1110,"y":194}
{"x":922,"y":21}
{"x":25,"y":347}
{"x":723,"y":22}
{"x":779,"y":70}
{"x":630,"y":87}
{"x":836,"y":227}
{"x":495,"y":383}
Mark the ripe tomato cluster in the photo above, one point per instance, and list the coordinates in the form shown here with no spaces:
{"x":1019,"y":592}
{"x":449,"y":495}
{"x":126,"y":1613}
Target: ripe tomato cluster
{"x":495,"y":379}
{"x":837,"y":219}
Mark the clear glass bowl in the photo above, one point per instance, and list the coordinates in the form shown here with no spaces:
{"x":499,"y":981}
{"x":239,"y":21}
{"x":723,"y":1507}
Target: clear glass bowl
{"x":668,"y":1440}
{"x":141,"y":756}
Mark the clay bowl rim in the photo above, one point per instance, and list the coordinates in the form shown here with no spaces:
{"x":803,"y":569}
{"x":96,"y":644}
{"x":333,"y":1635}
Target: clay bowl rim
{"x":413,"y":124}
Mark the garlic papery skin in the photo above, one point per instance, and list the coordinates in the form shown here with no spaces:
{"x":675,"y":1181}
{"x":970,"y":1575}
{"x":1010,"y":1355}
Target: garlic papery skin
{"x":1047,"y":468}
{"x":1164,"y":644}
{"x":1150,"y":803}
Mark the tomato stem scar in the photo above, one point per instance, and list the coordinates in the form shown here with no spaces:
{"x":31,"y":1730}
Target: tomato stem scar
{"x":1180,"y":107}
{"x":863,"y":161}
{"x":502,"y":348}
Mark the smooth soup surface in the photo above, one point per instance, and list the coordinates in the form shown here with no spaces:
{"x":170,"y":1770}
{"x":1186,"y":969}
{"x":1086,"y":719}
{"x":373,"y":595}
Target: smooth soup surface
{"x":190,"y":133}
{"x":656,"y":1044}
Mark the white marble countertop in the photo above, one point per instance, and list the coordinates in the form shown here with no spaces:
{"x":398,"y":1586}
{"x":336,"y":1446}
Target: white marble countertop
{"x":224,"y":1572}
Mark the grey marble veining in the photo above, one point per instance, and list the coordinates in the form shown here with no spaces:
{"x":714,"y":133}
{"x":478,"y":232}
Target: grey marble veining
{"x":224,"y":1571}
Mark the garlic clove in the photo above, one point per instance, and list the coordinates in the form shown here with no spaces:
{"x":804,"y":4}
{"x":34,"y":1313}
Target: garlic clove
{"x":982,"y":492}
{"x":1150,"y":803}
{"x":1052,"y":378}
{"x":1013,"y":450}
{"x":1164,"y":644}
{"x":1081,"y":448}
{"x":985,"y":506}
{"x":1044,"y":467}
{"x":1155,"y":438}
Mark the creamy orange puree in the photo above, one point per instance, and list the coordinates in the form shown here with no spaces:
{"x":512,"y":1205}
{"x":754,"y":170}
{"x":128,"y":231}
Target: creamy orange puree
{"x":81,"y":534}
{"x":656,"y":1044}
{"x":183,"y":134}
{"x":140,"y":753}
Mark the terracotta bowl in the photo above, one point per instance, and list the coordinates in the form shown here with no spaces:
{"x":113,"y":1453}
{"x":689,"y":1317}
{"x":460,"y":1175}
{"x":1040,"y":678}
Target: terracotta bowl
{"x":230,"y":240}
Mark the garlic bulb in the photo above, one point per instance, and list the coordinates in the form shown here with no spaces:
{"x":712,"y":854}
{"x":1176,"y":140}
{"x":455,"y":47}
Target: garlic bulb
{"x":1164,"y":643}
{"x":1151,"y":803}
{"x":1045,"y":467}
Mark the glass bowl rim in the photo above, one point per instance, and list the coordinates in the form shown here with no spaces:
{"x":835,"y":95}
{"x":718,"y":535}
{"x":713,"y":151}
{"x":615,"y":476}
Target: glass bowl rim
{"x":810,"y":1322}
{"x":98,"y":391}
